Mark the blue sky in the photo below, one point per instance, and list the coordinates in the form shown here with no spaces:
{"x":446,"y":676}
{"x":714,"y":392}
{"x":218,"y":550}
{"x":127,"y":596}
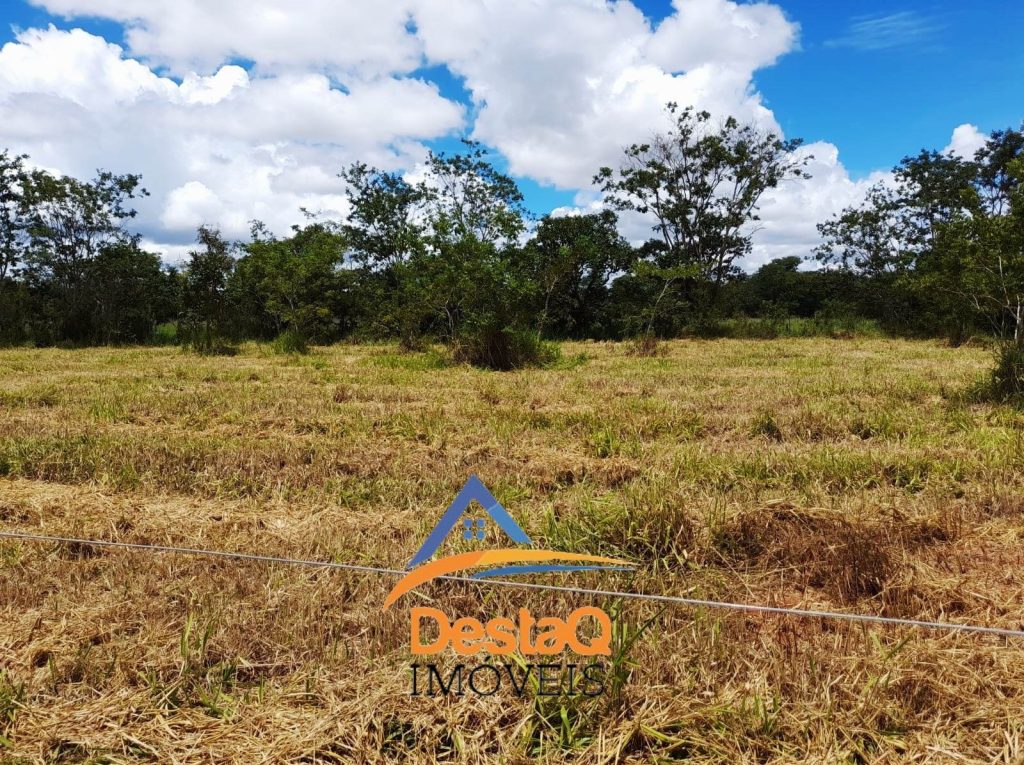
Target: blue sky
{"x":873,"y":80}
{"x":880,"y":91}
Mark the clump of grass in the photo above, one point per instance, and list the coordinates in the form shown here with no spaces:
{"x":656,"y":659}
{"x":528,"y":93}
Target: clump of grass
{"x":290,"y":342}
{"x":646,"y":345}
{"x":767,"y":426}
{"x":12,"y":699}
{"x":165,"y":334}
{"x":1006,"y":380}
{"x":504,"y":349}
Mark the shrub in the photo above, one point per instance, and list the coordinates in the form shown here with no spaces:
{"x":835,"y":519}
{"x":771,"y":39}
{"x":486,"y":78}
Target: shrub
{"x":1007,"y":378}
{"x":646,"y":346}
{"x":290,"y":341}
{"x":165,"y":334}
{"x":200,"y":339}
{"x":504,"y":349}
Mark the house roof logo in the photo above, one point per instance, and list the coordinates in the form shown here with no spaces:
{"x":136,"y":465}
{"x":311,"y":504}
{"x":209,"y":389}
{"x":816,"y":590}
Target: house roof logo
{"x":515,"y":561}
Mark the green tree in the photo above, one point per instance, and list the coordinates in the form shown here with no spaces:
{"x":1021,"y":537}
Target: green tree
{"x":702,"y":186}
{"x":14,"y":213}
{"x":571,"y":261}
{"x":70,"y":223}
{"x":130,"y":293}
{"x":435,"y":255}
{"x":871,"y":238}
{"x":296,"y":284}
{"x":466,"y":277}
{"x":207,"y":319}
{"x":385,"y":225}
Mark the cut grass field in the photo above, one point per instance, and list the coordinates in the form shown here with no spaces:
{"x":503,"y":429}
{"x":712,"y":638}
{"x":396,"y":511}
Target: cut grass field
{"x":851,"y":475}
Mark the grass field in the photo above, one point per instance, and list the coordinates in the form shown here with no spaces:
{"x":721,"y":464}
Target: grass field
{"x":842,"y":474}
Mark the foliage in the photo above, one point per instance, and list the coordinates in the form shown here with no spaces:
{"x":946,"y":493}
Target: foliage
{"x":291,"y":342}
{"x":206,"y":324}
{"x":572,"y":260}
{"x":702,"y":184}
{"x":453,"y":256}
{"x":14,"y":212}
{"x":504,"y":349}
{"x":945,"y":239}
{"x":294,"y":284}
{"x":1007,"y":377}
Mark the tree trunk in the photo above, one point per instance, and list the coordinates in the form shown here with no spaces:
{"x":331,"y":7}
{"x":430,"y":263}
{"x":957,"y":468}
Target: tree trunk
{"x":1018,"y":329}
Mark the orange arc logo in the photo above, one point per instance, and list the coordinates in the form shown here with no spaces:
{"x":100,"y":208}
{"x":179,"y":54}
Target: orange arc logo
{"x":455,"y":563}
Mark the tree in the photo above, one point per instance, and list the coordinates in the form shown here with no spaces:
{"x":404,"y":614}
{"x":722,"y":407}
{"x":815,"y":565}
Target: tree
{"x":296,"y":283}
{"x":129,"y":293}
{"x":71,"y":221}
{"x":385,"y":224}
{"x":893,"y":229}
{"x":871,"y":238}
{"x":471,"y":199}
{"x":69,"y":224}
{"x":702,"y":185}
{"x":206,"y":322}
{"x":571,"y":261}
{"x":14,"y":211}
{"x":980,"y":260}
{"x":463,"y":282}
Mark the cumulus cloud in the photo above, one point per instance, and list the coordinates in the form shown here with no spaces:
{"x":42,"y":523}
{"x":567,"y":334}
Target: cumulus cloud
{"x":239,"y":110}
{"x":370,"y":39}
{"x":965,"y":141}
{"x":221,"y":148}
{"x":702,"y":32}
{"x":560,"y":88}
{"x":790,"y":212}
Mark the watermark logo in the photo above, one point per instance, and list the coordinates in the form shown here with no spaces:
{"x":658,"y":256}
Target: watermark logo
{"x":584,"y":632}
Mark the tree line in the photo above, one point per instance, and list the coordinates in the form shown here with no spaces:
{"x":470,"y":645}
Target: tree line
{"x":454,"y":256}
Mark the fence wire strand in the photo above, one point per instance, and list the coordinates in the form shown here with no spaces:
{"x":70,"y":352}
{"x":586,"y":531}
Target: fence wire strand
{"x":668,"y":599}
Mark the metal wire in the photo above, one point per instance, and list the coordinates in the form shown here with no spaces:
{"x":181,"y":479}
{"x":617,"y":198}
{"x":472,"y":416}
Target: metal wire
{"x":669,"y":599}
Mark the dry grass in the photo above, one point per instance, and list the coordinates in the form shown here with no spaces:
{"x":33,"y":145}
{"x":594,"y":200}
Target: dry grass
{"x":815,"y":473}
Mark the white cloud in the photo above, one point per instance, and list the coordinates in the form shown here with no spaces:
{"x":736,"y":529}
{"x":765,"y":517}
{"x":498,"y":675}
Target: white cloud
{"x":790,"y":212}
{"x":746,"y":37}
{"x":557,"y":87}
{"x":966,"y":140}
{"x":880,"y":32}
{"x":223,"y":148}
{"x":368,"y":38}
{"x":562,"y":87}
{"x":78,"y":67}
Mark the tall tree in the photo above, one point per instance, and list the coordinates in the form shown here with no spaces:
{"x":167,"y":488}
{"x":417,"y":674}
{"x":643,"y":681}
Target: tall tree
{"x":129,"y":293}
{"x":385,"y":225}
{"x":702,"y":185}
{"x":475,"y":213}
{"x":14,"y":212}
{"x":571,"y":261}
{"x":297,"y":282}
{"x":206,"y":323}
{"x":71,"y":220}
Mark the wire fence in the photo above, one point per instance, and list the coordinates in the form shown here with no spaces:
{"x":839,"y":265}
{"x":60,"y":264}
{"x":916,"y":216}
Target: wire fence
{"x":667,"y":599}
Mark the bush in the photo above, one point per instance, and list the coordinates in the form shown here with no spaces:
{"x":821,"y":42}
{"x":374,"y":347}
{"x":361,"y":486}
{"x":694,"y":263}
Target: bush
{"x":504,"y":349}
{"x":290,"y":341}
{"x":646,"y":346}
{"x":1007,"y":378}
{"x":200,"y":339}
{"x":165,"y":334}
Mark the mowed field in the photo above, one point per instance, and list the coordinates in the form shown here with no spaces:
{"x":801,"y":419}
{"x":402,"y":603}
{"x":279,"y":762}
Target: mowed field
{"x":852,"y":475}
